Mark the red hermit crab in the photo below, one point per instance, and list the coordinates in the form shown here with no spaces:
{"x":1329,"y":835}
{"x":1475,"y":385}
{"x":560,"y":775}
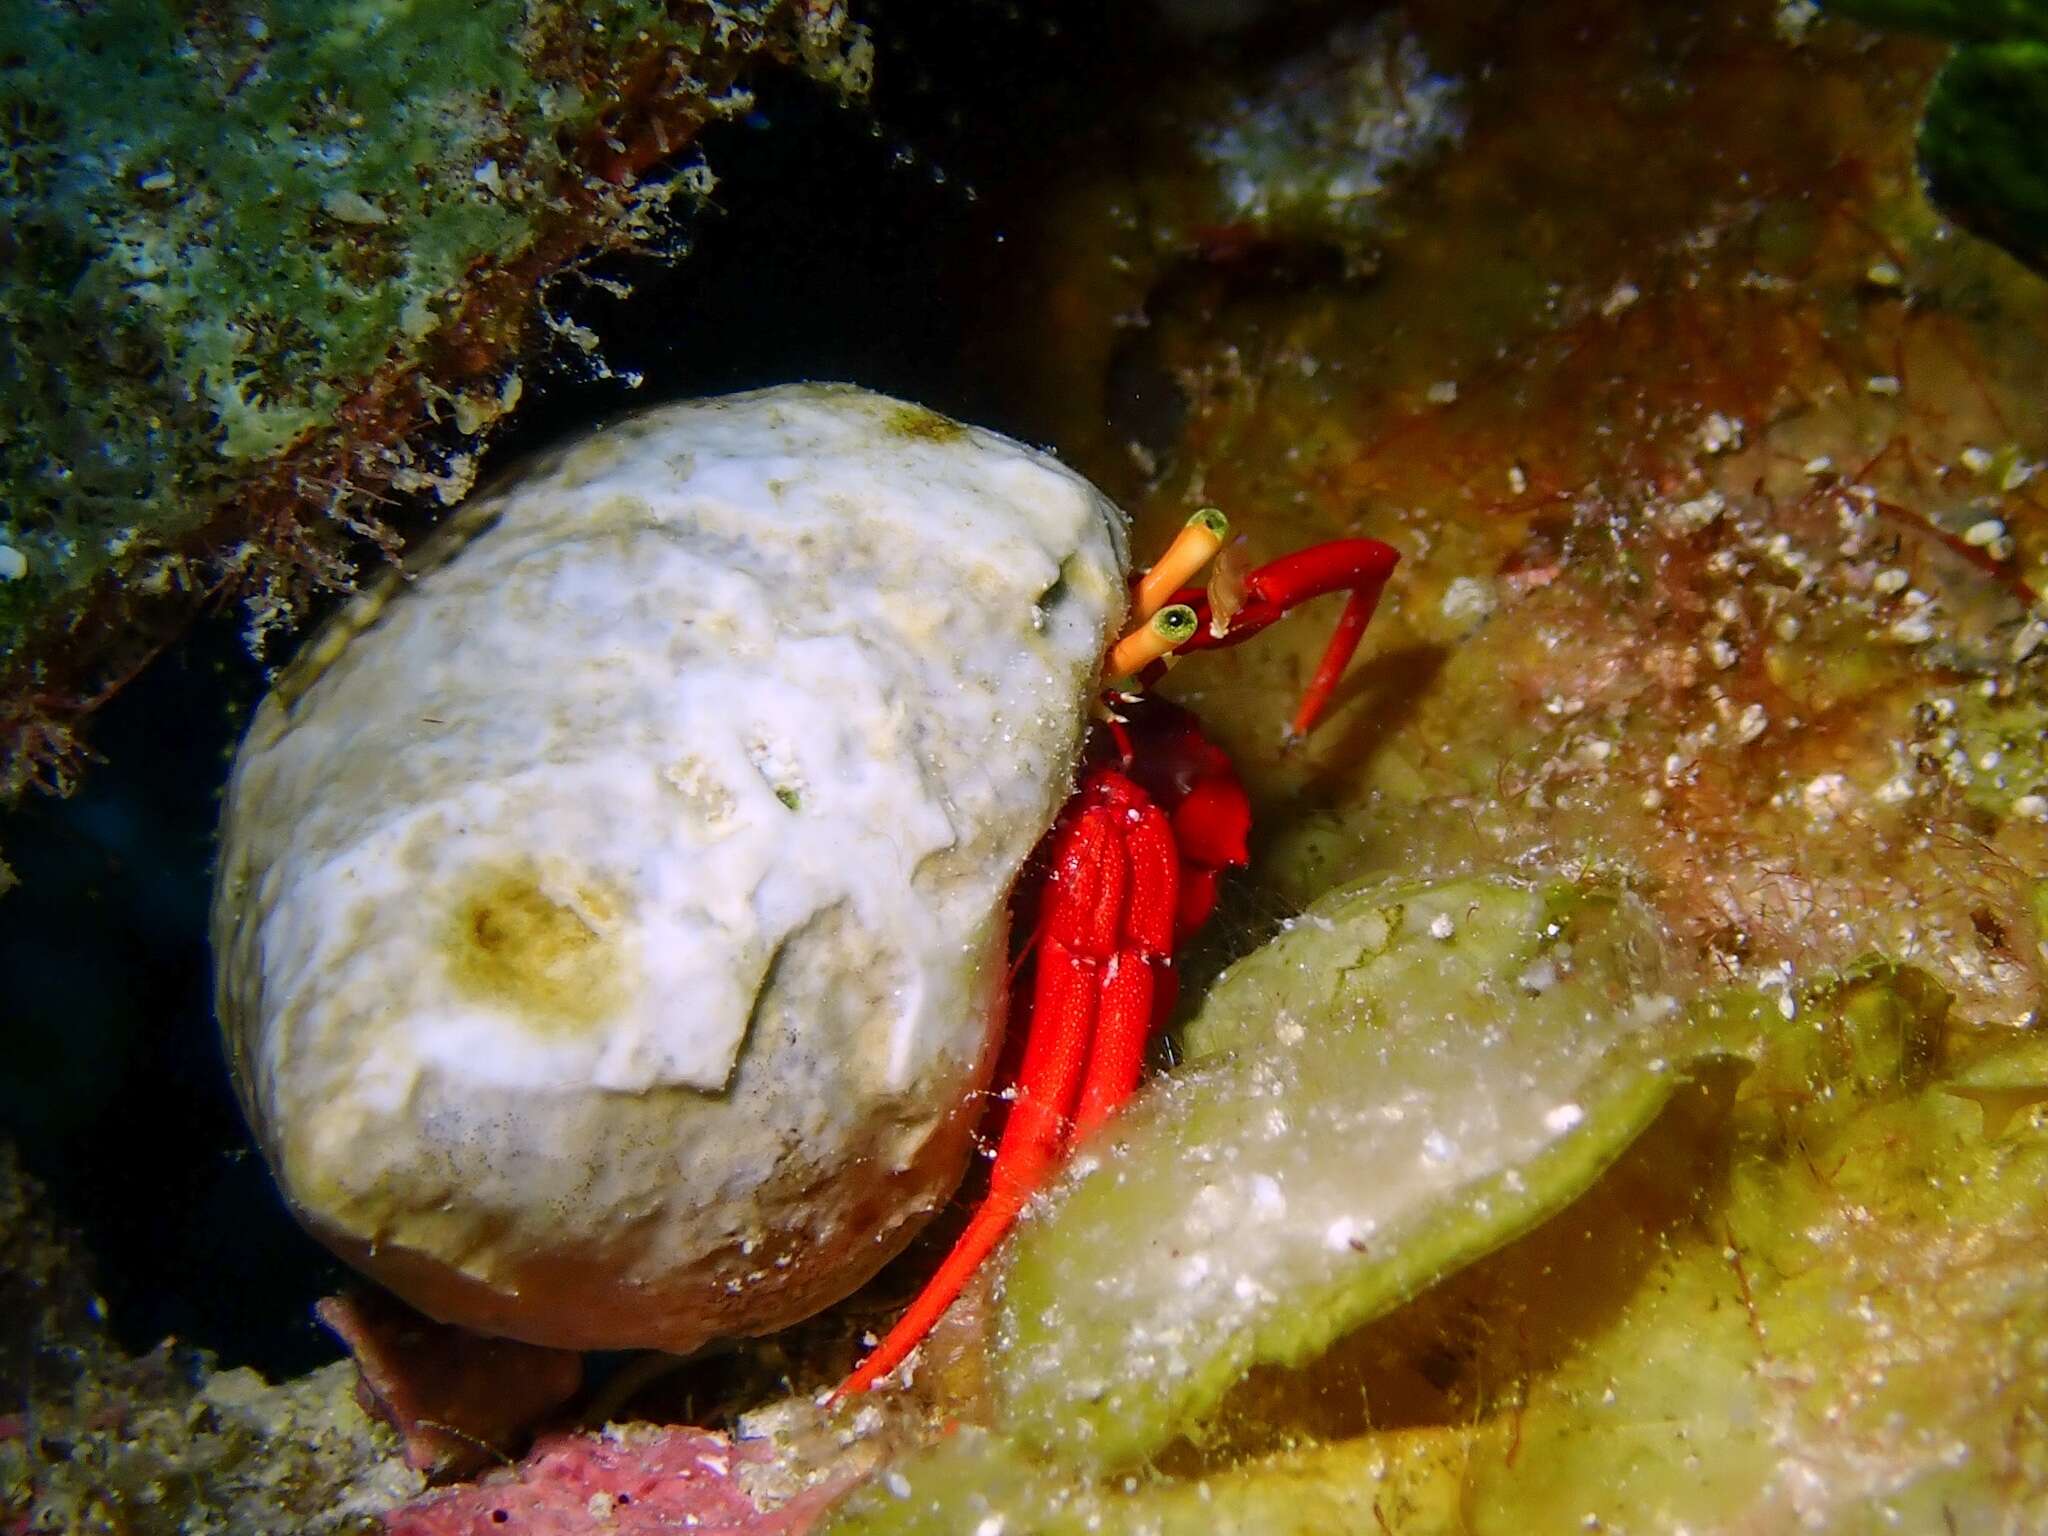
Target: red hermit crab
{"x":1129,"y":872}
{"x":613,"y":921}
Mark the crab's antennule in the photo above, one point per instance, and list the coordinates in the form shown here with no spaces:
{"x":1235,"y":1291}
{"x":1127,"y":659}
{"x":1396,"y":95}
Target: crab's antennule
{"x":1192,"y":548}
{"x":1171,"y":626}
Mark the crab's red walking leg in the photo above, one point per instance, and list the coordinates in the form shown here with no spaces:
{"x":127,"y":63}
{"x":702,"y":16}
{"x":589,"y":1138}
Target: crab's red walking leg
{"x":1062,"y":1019}
{"x":1078,"y":977}
{"x":1337,"y":655}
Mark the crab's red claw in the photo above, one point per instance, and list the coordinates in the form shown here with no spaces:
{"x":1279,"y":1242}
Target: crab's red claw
{"x":1359,"y":567}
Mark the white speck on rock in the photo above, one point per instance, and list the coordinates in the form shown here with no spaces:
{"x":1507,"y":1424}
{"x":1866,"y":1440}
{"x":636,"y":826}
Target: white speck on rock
{"x":1700,"y":512}
{"x":1468,"y":600}
{"x":1825,"y":796}
{"x":1795,"y":18}
{"x":13,"y":563}
{"x":1267,"y":1197}
{"x":1442,"y":392}
{"x":1563,"y":1118}
{"x":1441,"y":926}
{"x":2028,"y":640}
{"x":1719,"y":433}
{"x":351,"y":207}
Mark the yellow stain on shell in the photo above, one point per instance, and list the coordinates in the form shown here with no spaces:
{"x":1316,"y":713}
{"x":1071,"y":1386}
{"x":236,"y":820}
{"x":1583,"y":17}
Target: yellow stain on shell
{"x":914,"y":421}
{"x":553,"y":962}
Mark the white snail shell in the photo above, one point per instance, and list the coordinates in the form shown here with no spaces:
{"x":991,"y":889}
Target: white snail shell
{"x":610,"y":925}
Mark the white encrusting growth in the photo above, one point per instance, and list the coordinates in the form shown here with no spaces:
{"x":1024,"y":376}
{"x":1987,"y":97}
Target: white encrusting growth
{"x":616,"y":906}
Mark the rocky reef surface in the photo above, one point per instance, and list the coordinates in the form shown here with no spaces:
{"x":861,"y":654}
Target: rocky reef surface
{"x":1617,"y":1095}
{"x":95,"y":1440}
{"x":265,"y":268}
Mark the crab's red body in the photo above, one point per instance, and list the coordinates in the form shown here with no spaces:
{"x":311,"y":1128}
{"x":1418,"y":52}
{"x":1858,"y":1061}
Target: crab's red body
{"x":1129,"y":871}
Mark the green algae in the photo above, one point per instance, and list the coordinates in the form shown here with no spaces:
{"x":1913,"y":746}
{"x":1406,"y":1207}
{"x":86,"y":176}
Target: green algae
{"x":247,"y":253}
{"x":1965,"y":21}
{"x":2005,"y":1081}
{"x":1408,"y":1078}
{"x":1980,"y":144}
{"x":1987,"y":115}
{"x":1810,"y":1298}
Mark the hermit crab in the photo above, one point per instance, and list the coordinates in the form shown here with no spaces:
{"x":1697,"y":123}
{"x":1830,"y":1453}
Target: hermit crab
{"x":613,"y":922}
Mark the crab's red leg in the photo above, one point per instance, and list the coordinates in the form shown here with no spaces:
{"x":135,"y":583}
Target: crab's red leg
{"x":1137,"y":981}
{"x":1061,"y":1021}
{"x":1083,"y":977}
{"x":1357,"y":566}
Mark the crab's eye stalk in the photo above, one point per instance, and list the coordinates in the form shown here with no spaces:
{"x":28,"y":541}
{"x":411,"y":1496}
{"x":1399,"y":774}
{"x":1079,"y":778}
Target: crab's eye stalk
{"x":1170,"y":627}
{"x":1192,"y":548}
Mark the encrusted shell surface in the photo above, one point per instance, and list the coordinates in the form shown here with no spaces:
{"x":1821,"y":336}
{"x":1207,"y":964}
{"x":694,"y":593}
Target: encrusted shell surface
{"x":611,"y":915}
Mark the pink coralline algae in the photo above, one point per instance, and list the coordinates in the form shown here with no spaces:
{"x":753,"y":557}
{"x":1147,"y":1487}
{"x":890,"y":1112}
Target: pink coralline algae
{"x":626,"y":1481}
